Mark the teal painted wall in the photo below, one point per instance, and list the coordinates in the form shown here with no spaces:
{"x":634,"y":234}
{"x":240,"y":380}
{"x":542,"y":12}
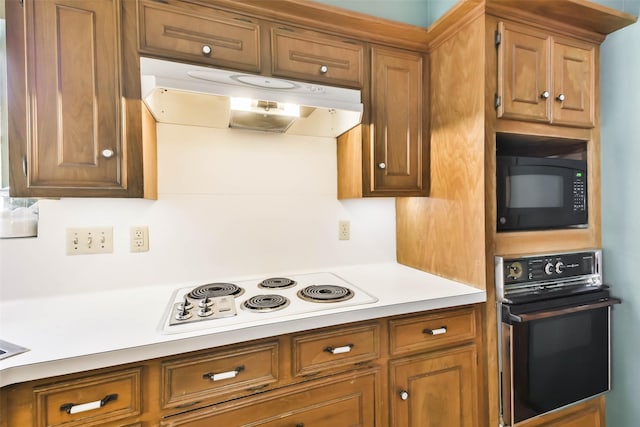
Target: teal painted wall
{"x":620,"y":154}
{"x":416,"y":12}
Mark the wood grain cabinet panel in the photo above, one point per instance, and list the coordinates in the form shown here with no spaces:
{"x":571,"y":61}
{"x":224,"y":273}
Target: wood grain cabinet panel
{"x":544,"y":78}
{"x":316,"y":352}
{"x":388,"y":155}
{"x":574,"y":82}
{"x":347,"y":400}
{"x":523,"y":73}
{"x":430,"y":331}
{"x":435,"y":389}
{"x":316,"y":57}
{"x":590,"y":413}
{"x":399,"y":151}
{"x":219,"y":375}
{"x":90,"y":401}
{"x":199,"y":34}
{"x":74,"y":123}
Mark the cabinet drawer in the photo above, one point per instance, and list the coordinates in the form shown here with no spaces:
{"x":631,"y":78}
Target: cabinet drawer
{"x":199,"y":34}
{"x":220,"y":375}
{"x":317,"y":352}
{"x":89,"y":401}
{"x":430,"y":331}
{"x":315,"y":57}
{"x":348,"y":400}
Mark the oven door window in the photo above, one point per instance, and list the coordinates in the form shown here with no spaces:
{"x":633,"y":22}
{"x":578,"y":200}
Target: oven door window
{"x":559,"y":360}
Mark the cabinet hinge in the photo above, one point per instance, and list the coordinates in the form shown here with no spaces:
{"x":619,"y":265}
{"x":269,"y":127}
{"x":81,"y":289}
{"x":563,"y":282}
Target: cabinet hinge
{"x":498,"y":38}
{"x":497,"y":101}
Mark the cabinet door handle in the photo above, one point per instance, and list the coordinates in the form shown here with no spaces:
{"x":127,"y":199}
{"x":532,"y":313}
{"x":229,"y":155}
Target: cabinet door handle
{"x":24,"y":165}
{"x":544,"y":95}
{"x":560,"y":97}
{"x":338,"y":350}
{"x":107,"y":153}
{"x":206,"y":50}
{"x":439,"y":331}
{"x":324,"y":69}
{"x":223,"y":375}
{"x":72,"y":408}
{"x":404,"y":394}
{"x":382,"y":165}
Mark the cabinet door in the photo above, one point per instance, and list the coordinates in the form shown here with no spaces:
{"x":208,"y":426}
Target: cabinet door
{"x":398,"y":144}
{"x":523,"y":73}
{"x":68,"y":106}
{"x":574,"y":84}
{"x":199,"y":34}
{"x":344,"y":401}
{"x":310,"y":56}
{"x":435,"y":389}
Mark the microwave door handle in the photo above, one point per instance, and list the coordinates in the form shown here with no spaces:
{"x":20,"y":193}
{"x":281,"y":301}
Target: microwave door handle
{"x":527,"y":317}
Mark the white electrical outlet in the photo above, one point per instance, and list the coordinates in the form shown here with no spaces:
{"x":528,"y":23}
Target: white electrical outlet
{"x":344,"y":230}
{"x":139,"y":238}
{"x":89,"y":240}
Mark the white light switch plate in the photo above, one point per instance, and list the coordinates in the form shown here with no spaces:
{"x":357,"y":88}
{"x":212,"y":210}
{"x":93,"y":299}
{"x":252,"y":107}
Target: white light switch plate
{"x":89,"y":240}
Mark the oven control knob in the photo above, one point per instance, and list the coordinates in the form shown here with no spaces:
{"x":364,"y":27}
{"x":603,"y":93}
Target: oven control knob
{"x":548,"y":269}
{"x":559,"y":267}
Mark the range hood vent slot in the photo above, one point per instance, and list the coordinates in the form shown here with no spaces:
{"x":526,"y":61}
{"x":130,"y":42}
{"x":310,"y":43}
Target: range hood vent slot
{"x":201,"y":96}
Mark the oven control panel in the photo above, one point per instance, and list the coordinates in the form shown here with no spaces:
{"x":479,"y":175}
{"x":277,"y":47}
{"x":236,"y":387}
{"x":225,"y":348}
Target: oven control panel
{"x":536,"y":277}
{"x":549,"y":267}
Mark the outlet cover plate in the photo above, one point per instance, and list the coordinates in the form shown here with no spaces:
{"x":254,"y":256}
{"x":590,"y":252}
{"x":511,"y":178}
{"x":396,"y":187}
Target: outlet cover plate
{"x":139,"y":238}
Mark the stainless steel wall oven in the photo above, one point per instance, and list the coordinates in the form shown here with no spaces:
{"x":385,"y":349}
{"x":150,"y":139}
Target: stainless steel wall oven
{"x":553,"y":332}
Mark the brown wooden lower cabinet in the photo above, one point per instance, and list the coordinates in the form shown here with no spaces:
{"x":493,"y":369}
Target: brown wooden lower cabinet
{"x":590,"y":413}
{"x":435,"y":389}
{"x":344,"y":400}
{"x":418,"y":370}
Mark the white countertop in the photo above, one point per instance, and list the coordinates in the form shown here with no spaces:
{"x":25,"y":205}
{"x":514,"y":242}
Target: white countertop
{"x":86,"y":331}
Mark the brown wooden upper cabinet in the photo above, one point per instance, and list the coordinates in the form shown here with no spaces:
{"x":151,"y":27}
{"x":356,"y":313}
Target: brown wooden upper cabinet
{"x":197,"y":34}
{"x":545,"y":78}
{"x":74,"y":116}
{"x":315,"y":57}
{"x":388,"y":156}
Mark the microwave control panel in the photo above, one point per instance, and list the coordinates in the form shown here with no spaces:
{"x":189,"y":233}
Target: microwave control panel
{"x":550,"y":267}
{"x":579,"y":193}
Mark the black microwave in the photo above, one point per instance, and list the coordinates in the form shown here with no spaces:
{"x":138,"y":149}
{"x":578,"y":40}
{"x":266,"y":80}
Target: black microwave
{"x":535,"y":193}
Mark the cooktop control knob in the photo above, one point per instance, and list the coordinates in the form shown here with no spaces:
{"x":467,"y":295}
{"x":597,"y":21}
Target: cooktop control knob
{"x":548,"y":269}
{"x":559,"y":267}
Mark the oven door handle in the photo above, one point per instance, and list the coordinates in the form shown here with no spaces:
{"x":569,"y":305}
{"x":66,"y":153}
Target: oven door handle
{"x":527,"y":317}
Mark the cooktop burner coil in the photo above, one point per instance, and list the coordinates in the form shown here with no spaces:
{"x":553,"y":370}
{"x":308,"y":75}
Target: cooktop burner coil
{"x":325,"y":293}
{"x":265,"y":303}
{"x":277,"y":283}
{"x":213,"y":290}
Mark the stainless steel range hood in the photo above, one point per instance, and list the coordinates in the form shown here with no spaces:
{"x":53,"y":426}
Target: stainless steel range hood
{"x":201,"y":96}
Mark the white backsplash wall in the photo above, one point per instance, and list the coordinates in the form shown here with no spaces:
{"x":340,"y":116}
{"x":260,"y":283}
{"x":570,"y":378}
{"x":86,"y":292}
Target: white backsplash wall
{"x":232,"y":204}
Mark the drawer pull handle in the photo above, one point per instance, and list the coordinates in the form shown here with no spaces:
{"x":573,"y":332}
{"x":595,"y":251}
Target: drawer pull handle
{"x":338,"y":350}
{"x":324,"y":69}
{"x":404,"y":394}
{"x":223,"y":375}
{"x":440,"y":331}
{"x":72,"y":408}
{"x":206,"y":50}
